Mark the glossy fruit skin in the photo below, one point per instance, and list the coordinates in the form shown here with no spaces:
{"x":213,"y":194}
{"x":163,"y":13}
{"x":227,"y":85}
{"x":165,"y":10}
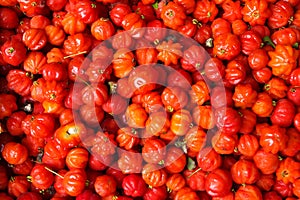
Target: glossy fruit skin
{"x":203,"y":116}
{"x":136,"y":116}
{"x":220,"y":26}
{"x":134,"y":185}
{"x":293,"y":95}
{"x":77,"y":43}
{"x":13,"y":51}
{"x":74,"y":182}
{"x":248,"y":191}
{"x":288,"y":171}
{"x":195,"y":140}
{"x":228,"y":120}
{"x":250,"y":41}
{"x":89,"y":11}
{"x":224,"y":143}
{"x":244,"y":172}
{"x":40,"y":125}
{"x":279,"y":117}
{"x":281,"y":13}
{"x":14,"y":153}
{"x":286,"y":36}
{"x":226,"y":46}
{"x":282,"y":52}
{"x":130,"y":162}
{"x":105,"y":185}
{"x":174,"y":98}
{"x":34,"y":62}
{"x":218,"y":183}
{"x":283,"y":189}
{"x":41,"y":177}
{"x":186,"y":193}
{"x":248,"y":145}
{"x":205,"y":11}
{"x":199,"y":93}
{"x":146,"y":56}
{"x":9,"y":18}
{"x":32,"y":8}
{"x":143,"y":79}
{"x":77,"y":158}
{"x":154,"y":150}
{"x":156,"y":193}
{"x":294,"y":78}
{"x":72,"y":24}
{"x":157,"y":124}
{"x":19,"y":81}
{"x":175,"y":182}
{"x":175,"y":160}
{"x":56,"y":5}
{"x":244,"y":96}
{"x":55,"y":35}
{"x":208,"y":159}
{"x":54,"y":72}
{"x":193,"y":58}
{"x":276,"y":88}
{"x":34,"y":39}
{"x":180,"y":122}
{"x":102,"y":29}
{"x":256,"y":12}
{"x":195,"y":179}
{"x":167,"y":56}
{"x":30,"y":195}
{"x":153,"y":175}
{"x":4,"y":178}
{"x":214,"y":69}
{"x":272,"y":138}
{"x":123,"y":62}
{"x":266,"y":162}
{"x":263,"y":106}
{"x":296,"y":188}
{"x":258,"y":59}
{"x":69,"y":134}
{"x":133,"y":23}
{"x":173,"y":15}
{"x":127,"y":137}
{"x":118,"y":13}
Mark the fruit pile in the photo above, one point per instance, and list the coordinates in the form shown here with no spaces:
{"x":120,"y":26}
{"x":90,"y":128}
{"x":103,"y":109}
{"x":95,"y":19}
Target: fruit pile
{"x":153,"y":100}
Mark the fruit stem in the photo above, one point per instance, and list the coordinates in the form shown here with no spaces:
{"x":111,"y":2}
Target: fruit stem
{"x":53,"y":172}
{"x":76,"y":54}
{"x":268,"y":40}
{"x":194,"y":172}
{"x":112,"y":87}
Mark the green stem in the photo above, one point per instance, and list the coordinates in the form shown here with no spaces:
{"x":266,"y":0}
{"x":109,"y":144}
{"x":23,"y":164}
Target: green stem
{"x":268,"y":41}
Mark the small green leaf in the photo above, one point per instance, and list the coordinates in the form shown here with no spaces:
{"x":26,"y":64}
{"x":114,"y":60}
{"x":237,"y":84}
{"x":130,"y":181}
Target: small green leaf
{"x":191,"y":164}
{"x":155,"y":5}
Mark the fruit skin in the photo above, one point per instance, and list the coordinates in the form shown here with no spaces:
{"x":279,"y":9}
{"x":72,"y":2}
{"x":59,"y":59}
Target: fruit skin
{"x":14,"y":153}
{"x":267,"y":163}
{"x":283,"y":52}
{"x":9,"y":18}
{"x":173,"y":15}
{"x":283,"y":113}
{"x":105,"y":185}
{"x":248,"y":191}
{"x":134,"y":185}
{"x":74,"y":182}
{"x":41,"y":177}
{"x":13,"y":51}
{"x":226,"y":46}
{"x":218,"y":183}
{"x":244,"y":172}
